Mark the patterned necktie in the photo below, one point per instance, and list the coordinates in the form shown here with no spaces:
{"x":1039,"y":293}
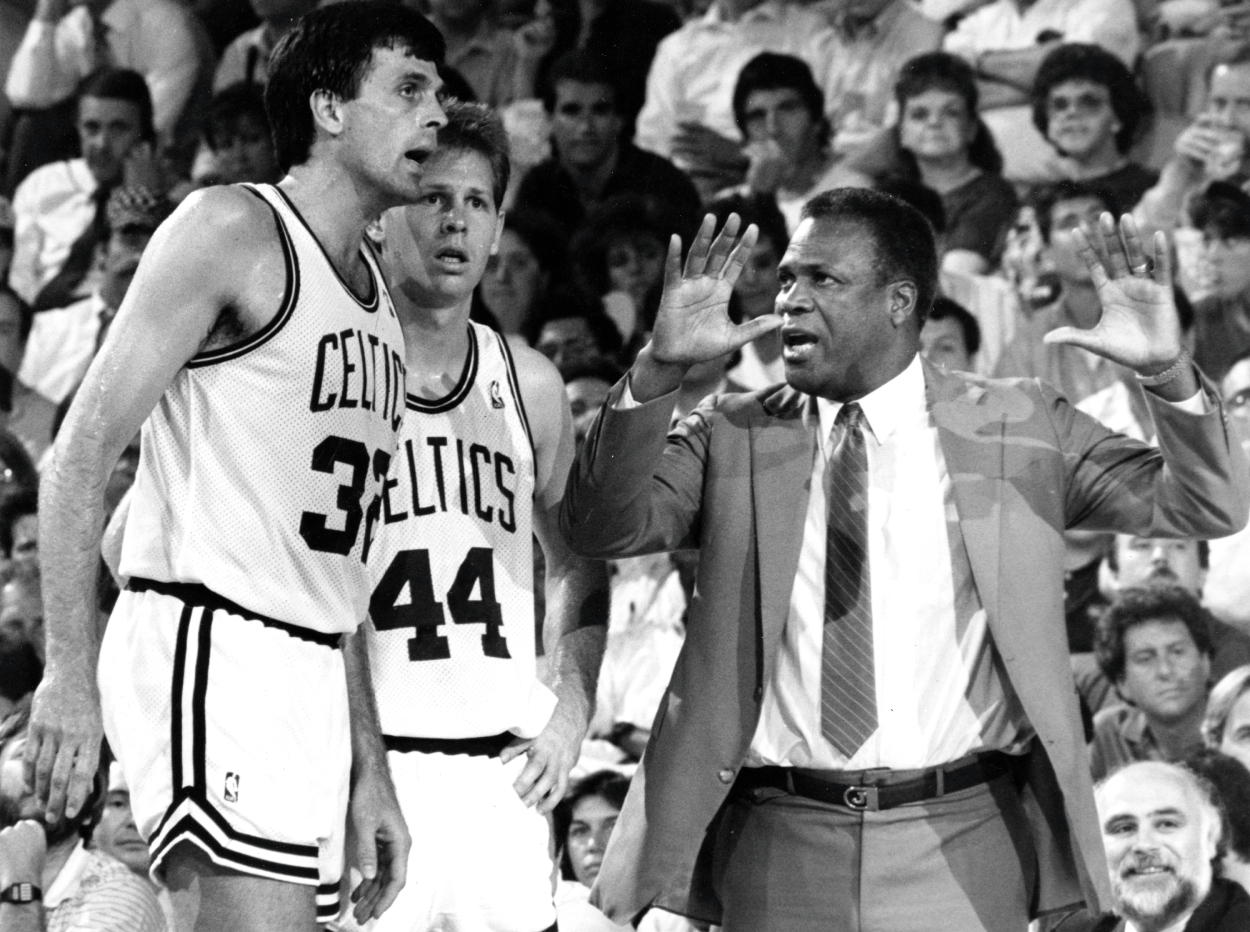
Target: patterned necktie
{"x":61,"y":291}
{"x":848,"y":683}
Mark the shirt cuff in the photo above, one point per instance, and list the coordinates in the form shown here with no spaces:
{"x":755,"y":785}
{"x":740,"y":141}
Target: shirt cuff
{"x":627,"y":399}
{"x":1195,"y":404}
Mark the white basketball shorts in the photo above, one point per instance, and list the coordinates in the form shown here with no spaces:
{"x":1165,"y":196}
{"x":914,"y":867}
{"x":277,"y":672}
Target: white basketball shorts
{"x":232,"y":732}
{"x":480,"y":861}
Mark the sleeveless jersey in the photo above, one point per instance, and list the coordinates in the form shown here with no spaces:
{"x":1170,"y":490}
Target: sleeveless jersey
{"x":261,"y":468}
{"x":452,"y":642}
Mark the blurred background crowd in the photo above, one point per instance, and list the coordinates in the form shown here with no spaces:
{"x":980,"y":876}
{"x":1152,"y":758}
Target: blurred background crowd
{"x":1008,"y":123}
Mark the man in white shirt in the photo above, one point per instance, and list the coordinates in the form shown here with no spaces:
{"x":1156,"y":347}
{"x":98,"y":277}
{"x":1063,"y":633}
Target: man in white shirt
{"x":60,"y":208}
{"x":246,"y":59}
{"x":688,"y":115}
{"x":63,"y":342}
{"x":868,"y":726}
{"x":68,"y":41}
{"x":1006,"y":41}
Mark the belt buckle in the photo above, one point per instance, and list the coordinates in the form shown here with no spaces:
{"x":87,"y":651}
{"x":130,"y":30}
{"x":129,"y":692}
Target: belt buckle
{"x":861,"y":798}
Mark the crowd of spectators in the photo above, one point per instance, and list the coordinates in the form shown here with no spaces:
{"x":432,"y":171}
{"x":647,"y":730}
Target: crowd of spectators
{"x":1009,"y":124}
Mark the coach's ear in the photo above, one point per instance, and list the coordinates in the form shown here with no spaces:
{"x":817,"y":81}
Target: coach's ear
{"x":327,"y":111}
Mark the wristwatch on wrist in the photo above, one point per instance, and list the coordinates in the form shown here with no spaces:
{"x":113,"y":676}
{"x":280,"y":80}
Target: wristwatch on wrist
{"x":21,"y":893}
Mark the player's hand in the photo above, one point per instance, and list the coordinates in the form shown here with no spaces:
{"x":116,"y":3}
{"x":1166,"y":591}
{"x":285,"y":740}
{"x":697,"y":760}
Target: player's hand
{"x":23,"y":854}
{"x":382,"y":843}
{"x":551,"y":756}
{"x":1139,"y":327}
{"x":62,"y":749}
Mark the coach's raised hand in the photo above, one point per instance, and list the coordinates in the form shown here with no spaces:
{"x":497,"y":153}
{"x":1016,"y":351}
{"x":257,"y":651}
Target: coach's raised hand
{"x":692,"y":324}
{"x":1140,"y":327}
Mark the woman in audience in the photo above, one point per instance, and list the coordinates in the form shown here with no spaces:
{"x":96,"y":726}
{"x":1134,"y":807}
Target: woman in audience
{"x":618,"y":258}
{"x":532,"y":252}
{"x":582,"y":824}
{"x":237,"y":133}
{"x":1226,"y":726}
{"x":1087,"y":105}
{"x":780,"y":112}
{"x":945,"y":145}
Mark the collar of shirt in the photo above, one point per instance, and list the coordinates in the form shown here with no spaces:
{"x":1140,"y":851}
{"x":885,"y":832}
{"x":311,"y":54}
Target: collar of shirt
{"x":1136,"y":730}
{"x":68,"y":880}
{"x":856,"y":28}
{"x":769,"y":11}
{"x":885,"y":408}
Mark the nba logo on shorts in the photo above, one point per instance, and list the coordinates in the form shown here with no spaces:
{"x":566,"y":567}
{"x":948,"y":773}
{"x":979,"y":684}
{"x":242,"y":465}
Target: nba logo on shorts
{"x":232,"y":787}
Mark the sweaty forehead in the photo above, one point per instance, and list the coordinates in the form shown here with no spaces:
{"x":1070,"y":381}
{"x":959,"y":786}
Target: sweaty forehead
{"x":830,"y":240}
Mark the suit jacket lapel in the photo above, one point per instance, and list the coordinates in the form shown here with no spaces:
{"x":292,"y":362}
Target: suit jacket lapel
{"x":971,"y":438}
{"x":783,"y":443}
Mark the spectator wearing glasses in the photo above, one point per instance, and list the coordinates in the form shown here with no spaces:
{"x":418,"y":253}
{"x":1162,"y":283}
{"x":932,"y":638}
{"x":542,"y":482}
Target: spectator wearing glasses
{"x":1087,"y":105}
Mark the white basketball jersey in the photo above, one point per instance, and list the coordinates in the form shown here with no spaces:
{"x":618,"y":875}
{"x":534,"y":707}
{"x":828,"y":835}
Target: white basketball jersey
{"x":261,"y":467}
{"x":452,"y":645}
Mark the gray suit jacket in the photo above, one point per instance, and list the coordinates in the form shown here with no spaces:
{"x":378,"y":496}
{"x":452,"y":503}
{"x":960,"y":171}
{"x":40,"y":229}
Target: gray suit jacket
{"x":732,"y":480}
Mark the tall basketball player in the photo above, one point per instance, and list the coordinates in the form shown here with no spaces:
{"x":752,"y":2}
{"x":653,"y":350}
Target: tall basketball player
{"x":260,"y":353}
{"x":479,"y":745}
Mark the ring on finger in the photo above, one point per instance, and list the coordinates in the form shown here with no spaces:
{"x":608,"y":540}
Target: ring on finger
{"x":1144,"y":268}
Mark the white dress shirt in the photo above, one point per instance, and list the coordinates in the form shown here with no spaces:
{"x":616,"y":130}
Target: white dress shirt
{"x":156,"y":38}
{"x":52,"y":206}
{"x":60,"y":348}
{"x":1002,"y":25}
{"x":695,"y":69}
{"x":926,"y":658}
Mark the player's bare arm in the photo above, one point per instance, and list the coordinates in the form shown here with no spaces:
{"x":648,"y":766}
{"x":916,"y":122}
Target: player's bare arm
{"x":378,"y":829}
{"x":575,"y":626}
{"x":213,"y":272}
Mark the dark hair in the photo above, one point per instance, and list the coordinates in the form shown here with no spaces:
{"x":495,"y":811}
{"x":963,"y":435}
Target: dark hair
{"x":25,"y":313}
{"x":229,"y":106}
{"x":919,"y":196}
{"x":330,"y":49}
{"x":14,"y":456}
{"x":1044,"y":198}
{"x":760,"y":209}
{"x":1231,"y":782}
{"x":606,"y":784}
{"x":570,"y":304}
{"x":770,"y":71}
{"x":1223,"y":207}
{"x":945,"y":307}
{"x":605,"y":370}
{"x":477,"y":128}
{"x":541,"y":235}
{"x":455,"y":85}
{"x":903,"y":237}
{"x":1137,"y":606}
{"x":946,"y":72}
{"x":122,"y":84}
{"x":622,"y":215}
{"x":17,"y":503}
{"x":1078,"y":61}
{"x":583,"y":68}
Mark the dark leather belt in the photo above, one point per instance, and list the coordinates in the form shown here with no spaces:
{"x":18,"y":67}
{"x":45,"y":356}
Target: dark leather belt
{"x":874,"y":790}
{"x":488,"y":746}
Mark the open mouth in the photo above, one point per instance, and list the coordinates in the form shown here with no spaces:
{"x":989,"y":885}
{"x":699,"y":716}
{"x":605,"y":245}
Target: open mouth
{"x":417,"y":155}
{"x":797,"y":344}
{"x":452,"y":258}
{"x":1145,"y":870}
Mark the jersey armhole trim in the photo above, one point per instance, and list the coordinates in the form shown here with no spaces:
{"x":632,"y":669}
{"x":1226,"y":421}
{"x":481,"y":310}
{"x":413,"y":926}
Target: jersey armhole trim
{"x":290,"y":298}
{"x":375,"y":274}
{"x":468,"y":375}
{"x":515,"y":384}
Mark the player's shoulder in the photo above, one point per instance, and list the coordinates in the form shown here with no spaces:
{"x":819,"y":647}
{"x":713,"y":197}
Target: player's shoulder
{"x":227,"y":221}
{"x":542,"y":388}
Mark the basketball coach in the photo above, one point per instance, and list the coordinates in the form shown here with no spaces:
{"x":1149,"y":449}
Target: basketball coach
{"x":872,"y":725}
